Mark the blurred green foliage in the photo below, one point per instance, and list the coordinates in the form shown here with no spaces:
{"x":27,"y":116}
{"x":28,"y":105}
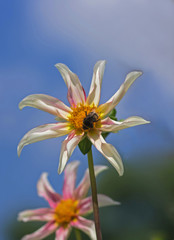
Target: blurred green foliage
{"x":146,"y":193}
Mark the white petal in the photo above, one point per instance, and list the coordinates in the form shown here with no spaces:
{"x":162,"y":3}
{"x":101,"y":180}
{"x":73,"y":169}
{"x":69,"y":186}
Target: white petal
{"x":95,"y":89}
{"x":46,"y":103}
{"x":115,"y":99}
{"x":86,"y":205}
{"x":76,"y":93}
{"x":104,"y":201}
{"x":70,"y":175}
{"x":67,"y":149}
{"x":109,"y":125}
{"x":83,"y":187}
{"x":43,"y":132}
{"x":87,"y":226}
{"x":108,"y":151}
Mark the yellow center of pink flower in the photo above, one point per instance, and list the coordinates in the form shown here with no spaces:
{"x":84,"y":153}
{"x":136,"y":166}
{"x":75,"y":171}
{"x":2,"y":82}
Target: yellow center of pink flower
{"x":80,"y":113}
{"x":66,"y":211}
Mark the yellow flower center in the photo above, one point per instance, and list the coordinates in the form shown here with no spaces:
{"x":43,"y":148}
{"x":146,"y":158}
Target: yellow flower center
{"x":66,"y":211}
{"x":80,"y":113}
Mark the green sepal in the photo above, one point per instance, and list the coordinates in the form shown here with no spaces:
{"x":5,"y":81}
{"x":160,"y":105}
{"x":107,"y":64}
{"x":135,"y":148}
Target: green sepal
{"x":112,"y":114}
{"x":85,"y":145}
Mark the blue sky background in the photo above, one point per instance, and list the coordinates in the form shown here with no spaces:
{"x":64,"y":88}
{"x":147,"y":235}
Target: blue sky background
{"x":35,"y":35}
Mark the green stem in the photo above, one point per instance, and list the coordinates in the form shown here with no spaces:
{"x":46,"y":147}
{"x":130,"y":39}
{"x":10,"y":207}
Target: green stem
{"x":94,"y":195}
{"x":77,"y":233}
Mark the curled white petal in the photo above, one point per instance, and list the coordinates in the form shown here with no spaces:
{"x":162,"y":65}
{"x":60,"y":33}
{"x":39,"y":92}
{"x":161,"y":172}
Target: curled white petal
{"x":67,"y":149}
{"x":115,"y":99}
{"x":46,"y":103}
{"x":76,"y":93}
{"x":95,"y":89}
{"x":109,"y":125}
{"x":107,"y":150}
{"x":43,"y":132}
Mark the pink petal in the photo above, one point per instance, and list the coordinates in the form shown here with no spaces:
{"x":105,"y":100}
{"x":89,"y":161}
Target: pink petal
{"x":83,"y":187}
{"x":67,"y":149}
{"x":109,"y":125}
{"x":115,"y":99}
{"x":70,"y":174}
{"x":86,"y":205}
{"x":41,"y":214}
{"x":95,"y":89}
{"x":76,"y":93}
{"x":43,"y":132}
{"x":63,"y":233}
{"x":87,"y":226}
{"x":46,"y":103}
{"x":45,"y":190}
{"x":108,"y":151}
{"x":42,"y":232}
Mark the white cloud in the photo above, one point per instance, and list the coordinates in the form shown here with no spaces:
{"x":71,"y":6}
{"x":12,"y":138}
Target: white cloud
{"x":138,"y":32}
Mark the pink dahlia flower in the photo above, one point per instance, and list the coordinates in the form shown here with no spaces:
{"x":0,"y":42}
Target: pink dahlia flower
{"x":84,"y":118}
{"x":67,"y":210}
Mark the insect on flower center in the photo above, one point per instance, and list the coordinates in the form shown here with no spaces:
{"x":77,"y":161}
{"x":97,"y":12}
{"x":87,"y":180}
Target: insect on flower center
{"x":83,"y":118}
{"x":66,"y":211}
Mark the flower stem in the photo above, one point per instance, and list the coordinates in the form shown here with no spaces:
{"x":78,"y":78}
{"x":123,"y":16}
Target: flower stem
{"x":94,"y":195}
{"x":77,"y":233}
